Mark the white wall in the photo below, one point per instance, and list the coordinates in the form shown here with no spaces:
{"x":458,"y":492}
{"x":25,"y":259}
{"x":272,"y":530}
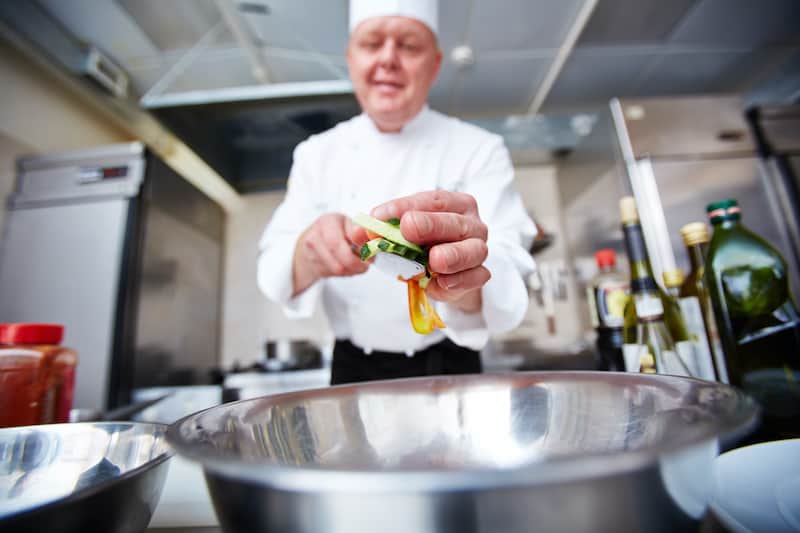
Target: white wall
{"x":37,"y":115}
{"x":538,"y":187}
{"x":248,"y":319}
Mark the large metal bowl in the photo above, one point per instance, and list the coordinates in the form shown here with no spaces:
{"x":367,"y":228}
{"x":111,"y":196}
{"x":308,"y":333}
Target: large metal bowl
{"x":83,"y":477}
{"x":544,"y":451}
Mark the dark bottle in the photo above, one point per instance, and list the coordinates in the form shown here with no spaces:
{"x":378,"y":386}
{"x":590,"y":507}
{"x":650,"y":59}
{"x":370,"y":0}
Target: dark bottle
{"x":758,"y":323}
{"x":607,"y":294}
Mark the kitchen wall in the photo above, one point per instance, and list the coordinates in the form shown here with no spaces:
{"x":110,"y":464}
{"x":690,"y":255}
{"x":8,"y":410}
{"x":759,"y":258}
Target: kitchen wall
{"x":249,"y":319}
{"x":38,"y":115}
{"x":551,"y":323}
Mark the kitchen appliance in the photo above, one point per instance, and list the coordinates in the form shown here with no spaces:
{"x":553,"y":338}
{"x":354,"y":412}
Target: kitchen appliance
{"x":72,"y":478}
{"x":127,"y":255}
{"x":551,"y":451}
{"x":676,"y":155}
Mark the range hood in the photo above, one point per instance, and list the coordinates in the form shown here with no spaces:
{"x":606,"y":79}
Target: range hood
{"x":241,"y":82}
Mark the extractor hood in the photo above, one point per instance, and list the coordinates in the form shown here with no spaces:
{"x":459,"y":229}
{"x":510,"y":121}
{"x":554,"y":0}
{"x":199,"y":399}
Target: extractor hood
{"x":241,"y":82}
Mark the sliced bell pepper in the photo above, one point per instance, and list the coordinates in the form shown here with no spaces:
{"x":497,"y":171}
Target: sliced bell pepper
{"x":424,"y":318}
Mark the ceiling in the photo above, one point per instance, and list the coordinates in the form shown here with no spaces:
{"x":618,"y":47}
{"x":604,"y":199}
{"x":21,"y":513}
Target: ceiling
{"x":242,"y":81}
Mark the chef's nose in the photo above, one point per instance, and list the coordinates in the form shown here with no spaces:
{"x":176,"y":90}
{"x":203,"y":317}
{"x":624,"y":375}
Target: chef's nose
{"x":388,"y":57}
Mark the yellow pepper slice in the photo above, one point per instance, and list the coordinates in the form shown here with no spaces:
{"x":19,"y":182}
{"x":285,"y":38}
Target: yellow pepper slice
{"x":424,"y":318}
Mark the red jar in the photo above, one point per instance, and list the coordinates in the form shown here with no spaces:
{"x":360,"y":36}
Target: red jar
{"x":37,"y":375}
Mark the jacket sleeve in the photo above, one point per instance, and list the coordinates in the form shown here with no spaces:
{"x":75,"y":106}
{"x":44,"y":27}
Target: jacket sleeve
{"x":278,"y":242}
{"x":490,"y":180}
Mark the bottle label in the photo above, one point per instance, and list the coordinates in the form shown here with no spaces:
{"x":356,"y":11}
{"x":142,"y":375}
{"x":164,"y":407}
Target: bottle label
{"x":701,"y":364}
{"x":636,"y":356}
{"x":607,"y":302}
{"x":631,"y":355}
{"x":687,"y":352}
{"x":648,"y":306}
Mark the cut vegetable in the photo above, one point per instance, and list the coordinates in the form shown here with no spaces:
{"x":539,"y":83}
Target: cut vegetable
{"x":385,"y":229}
{"x":424,"y":318}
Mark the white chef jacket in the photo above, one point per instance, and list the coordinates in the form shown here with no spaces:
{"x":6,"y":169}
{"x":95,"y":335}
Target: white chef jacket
{"x":354,"y":167}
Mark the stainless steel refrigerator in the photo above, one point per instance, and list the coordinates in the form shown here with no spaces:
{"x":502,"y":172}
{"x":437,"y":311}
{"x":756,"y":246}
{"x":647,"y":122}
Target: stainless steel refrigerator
{"x":127,"y":255}
{"x":675,"y":156}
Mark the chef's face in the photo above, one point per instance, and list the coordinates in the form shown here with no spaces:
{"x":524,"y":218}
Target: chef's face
{"x":393,"y":63}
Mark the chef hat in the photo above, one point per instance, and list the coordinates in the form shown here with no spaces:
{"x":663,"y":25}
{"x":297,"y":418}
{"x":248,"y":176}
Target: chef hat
{"x":424,"y":11}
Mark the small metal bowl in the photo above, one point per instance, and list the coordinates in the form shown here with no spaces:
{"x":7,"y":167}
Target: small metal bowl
{"x":545,"y":451}
{"x":81,"y":477}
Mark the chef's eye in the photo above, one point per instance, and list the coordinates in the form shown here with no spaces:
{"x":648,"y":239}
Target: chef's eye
{"x":410,"y":47}
{"x":371,"y":44}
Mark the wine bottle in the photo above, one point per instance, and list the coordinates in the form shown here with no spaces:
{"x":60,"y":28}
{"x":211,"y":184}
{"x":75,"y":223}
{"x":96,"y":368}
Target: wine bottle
{"x":694,"y":297}
{"x":758,"y":322}
{"x":640,"y":269}
{"x":645,"y":292}
{"x":607,"y":293}
{"x":699,"y":364}
{"x":654,"y":350}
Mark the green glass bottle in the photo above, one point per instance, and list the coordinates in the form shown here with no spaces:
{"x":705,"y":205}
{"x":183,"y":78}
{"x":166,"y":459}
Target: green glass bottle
{"x":758,"y":323}
{"x":695,"y":299}
{"x":640,"y":269}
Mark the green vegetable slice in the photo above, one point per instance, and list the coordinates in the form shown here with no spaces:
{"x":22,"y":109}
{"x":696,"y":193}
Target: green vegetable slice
{"x":386,"y":230}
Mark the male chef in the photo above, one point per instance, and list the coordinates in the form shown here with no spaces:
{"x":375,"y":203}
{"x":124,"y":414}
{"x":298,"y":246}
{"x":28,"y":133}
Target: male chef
{"x":449,"y":183}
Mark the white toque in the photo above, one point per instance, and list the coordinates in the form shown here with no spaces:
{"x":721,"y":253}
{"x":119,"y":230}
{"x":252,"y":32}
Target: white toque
{"x":425,"y":11}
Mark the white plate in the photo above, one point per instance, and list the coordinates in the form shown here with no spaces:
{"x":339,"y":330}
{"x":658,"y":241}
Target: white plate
{"x":757,"y":488}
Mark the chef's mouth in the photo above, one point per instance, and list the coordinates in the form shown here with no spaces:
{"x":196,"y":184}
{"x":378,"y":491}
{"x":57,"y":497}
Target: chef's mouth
{"x":388,"y":85}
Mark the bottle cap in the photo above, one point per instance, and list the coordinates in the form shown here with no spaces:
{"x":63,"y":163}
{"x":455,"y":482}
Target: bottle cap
{"x":694,"y":233}
{"x":723,"y":210}
{"x":31,"y":333}
{"x":673,"y":278}
{"x":605,"y":258}
{"x":627,"y":209}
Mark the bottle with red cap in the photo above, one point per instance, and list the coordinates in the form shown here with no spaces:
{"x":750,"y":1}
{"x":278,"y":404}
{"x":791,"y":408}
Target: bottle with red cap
{"x":37,"y":375}
{"x":607,"y":294}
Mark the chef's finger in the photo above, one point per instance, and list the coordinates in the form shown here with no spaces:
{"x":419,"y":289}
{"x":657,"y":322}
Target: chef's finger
{"x":355,"y":233}
{"x":346,"y":256}
{"x":450,"y":287}
{"x":430,"y":228}
{"x":455,"y":257}
{"x":436,"y":201}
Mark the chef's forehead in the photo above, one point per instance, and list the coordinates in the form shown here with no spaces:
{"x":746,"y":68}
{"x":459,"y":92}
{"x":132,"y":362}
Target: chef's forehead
{"x":401,"y":26}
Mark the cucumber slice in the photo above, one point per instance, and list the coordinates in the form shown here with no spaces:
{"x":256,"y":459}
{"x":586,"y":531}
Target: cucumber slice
{"x":386,"y":230}
{"x":371,"y":248}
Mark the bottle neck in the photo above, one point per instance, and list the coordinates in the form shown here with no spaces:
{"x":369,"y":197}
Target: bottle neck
{"x":637,"y":252}
{"x":697,"y":255}
{"x":725,"y":223}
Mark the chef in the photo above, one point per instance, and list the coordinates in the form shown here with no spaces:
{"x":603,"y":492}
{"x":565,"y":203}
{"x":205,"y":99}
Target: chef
{"x":450,"y":184}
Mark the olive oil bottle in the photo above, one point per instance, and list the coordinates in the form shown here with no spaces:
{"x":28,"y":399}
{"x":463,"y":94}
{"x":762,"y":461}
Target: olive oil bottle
{"x":700,"y":364}
{"x":695,"y":299}
{"x":758,"y":323}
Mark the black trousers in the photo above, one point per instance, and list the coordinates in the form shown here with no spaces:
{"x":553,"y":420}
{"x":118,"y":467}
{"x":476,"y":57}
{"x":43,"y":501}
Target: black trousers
{"x":351,"y":364}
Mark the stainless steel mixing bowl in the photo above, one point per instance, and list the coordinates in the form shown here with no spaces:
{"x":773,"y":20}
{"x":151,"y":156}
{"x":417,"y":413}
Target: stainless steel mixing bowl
{"x":539,"y":451}
{"x":83,"y":477}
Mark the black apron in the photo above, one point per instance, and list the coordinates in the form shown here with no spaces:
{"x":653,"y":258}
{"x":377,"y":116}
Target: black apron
{"x":351,"y":364}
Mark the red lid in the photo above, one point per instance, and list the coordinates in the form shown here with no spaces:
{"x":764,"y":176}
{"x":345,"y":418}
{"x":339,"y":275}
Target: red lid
{"x":31,"y":333}
{"x":605,"y":257}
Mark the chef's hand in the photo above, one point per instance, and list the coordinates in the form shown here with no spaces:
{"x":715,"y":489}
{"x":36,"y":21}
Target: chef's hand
{"x":448,"y":222}
{"x":324,"y":250}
